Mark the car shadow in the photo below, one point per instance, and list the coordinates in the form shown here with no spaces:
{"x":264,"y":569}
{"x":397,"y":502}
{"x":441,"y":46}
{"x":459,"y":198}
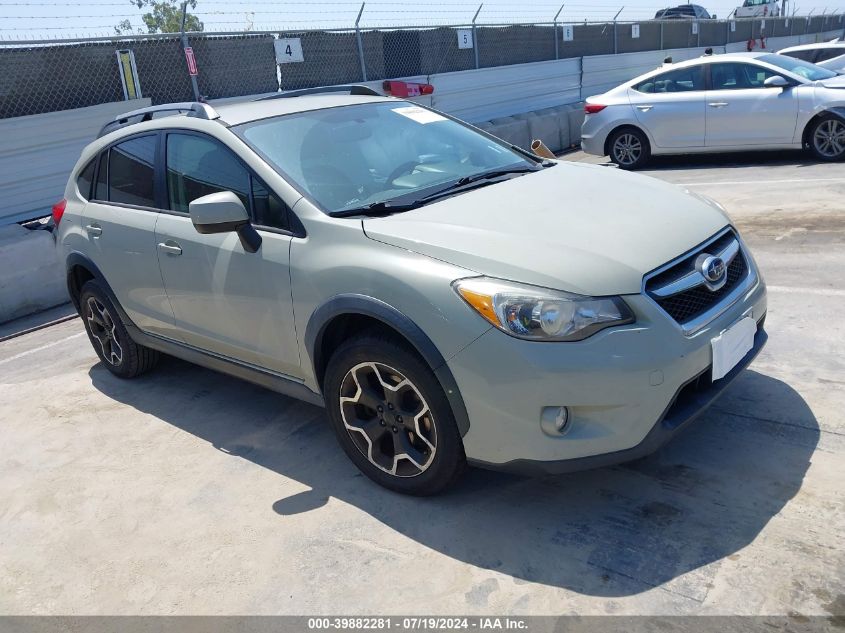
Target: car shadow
{"x":793,"y":158}
{"x":662,"y":521}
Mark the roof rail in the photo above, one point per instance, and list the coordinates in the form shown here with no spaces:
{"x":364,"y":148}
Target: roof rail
{"x":353,"y":90}
{"x":190,"y":108}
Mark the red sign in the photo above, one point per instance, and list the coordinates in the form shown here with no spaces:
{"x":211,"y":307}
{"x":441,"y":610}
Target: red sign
{"x":192,"y":62}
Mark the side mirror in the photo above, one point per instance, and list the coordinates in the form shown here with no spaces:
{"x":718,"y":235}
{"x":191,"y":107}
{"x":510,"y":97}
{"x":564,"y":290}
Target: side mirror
{"x":776,"y":82}
{"x":223,"y":212}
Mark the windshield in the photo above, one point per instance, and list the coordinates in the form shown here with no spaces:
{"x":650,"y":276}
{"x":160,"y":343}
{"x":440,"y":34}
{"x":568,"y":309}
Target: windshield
{"x":354,"y":156}
{"x":798,"y":67}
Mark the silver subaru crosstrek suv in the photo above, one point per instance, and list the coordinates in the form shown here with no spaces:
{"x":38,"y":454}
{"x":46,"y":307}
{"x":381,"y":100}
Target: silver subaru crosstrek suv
{"x":447,"y":297}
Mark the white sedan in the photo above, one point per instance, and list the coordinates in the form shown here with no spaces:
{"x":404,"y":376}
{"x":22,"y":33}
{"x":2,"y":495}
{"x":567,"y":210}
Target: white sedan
{"x":719,"y":103}
{"x":829,"y":55}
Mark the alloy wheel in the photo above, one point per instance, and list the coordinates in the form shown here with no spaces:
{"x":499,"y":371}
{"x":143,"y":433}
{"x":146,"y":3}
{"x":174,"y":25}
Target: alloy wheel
{"x":102,"y":327}
{"x":829,"y":138}
{"x":627,"y":149}
{"x":388,"y":419}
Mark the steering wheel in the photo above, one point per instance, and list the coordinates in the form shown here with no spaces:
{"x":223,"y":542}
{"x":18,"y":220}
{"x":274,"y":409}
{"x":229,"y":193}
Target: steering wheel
{"x":404,"y":168}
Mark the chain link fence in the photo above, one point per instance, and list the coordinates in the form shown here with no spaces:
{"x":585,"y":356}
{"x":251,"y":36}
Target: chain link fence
{"x":47,"y":76}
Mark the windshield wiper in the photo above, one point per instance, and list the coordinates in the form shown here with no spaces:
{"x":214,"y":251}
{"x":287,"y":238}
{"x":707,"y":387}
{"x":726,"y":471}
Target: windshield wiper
{"x":407,"y":203}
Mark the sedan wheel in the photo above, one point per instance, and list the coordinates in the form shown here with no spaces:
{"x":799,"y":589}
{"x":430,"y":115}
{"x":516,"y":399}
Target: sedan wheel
{"x":629,"y":148}
{"x":388,"y":419}
{"x":829,"y":139}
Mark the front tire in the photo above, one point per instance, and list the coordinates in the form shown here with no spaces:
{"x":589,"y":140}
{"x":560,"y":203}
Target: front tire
{"x":118,"y":352}
{"x":629,"y":148}
{"x":392,"y":417}
{"x":826,"y":138}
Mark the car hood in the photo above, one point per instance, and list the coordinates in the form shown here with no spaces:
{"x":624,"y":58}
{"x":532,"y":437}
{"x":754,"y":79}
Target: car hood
{"x":580,"y":228}
{"x":834,"y":82}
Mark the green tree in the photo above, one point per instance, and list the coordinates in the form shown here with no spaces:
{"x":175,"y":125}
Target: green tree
{"x":163,"y":16}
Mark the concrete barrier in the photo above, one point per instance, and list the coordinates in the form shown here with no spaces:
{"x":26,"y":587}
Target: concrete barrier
{"x":31,"y":279}
{"x":512,"y":130}
{"x":543,"y":125}
{"x":576,"y":120}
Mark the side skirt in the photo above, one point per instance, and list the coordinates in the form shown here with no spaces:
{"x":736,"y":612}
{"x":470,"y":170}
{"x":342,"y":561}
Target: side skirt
{"x":269,"y":380}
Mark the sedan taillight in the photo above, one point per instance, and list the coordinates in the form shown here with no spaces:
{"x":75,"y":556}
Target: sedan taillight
{"x":593,"y":108}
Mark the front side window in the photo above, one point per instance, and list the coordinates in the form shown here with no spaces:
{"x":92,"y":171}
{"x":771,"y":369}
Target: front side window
{"x":680,"y":80}
{"x":353,"y":156}
{"x":738,"y":76}
{"x":131,"y":172}
{"x":198,"y":166}
{"x":798,"y":67}
{"x":267,"y":208}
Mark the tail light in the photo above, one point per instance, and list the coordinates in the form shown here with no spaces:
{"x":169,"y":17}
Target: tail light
{"x":59,"y":211}
{"x":406,"y":88}
{"x":593,"y":108}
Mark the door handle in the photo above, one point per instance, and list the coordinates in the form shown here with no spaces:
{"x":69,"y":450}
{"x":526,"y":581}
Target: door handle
{"x":718,"y":104}
{"x":644,"y":108}
{"x":94,"y":230}
{"x":170,"y":247}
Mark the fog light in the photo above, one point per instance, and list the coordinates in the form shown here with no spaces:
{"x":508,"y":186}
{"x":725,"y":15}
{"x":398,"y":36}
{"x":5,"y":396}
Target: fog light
{"x":555,"y":421}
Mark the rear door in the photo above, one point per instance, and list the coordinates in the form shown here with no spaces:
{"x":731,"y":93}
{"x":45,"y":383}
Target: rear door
{"x":226,"y":300}
{"x":670,"y":106}
{"x":119,"y":224}
{"x":741,"y":110}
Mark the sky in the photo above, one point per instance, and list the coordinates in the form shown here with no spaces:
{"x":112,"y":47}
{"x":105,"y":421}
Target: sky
{"x":46,"y":19}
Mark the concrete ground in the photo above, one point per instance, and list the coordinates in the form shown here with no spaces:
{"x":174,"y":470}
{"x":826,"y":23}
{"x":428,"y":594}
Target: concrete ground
{"x":186,"y":491}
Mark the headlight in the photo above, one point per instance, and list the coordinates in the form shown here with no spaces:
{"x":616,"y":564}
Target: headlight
{"x":540,"y":314}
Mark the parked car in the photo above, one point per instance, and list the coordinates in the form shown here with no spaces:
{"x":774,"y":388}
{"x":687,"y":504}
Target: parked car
{"x":830,"y":55}
{"x":758,"y":9}
{"x":448,"y":298}
{"x":719,"y":103}
{"x":683,"y":12}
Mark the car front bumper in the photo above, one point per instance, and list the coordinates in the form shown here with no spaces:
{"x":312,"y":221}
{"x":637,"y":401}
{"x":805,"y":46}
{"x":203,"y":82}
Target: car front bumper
{"x":628,"y":389}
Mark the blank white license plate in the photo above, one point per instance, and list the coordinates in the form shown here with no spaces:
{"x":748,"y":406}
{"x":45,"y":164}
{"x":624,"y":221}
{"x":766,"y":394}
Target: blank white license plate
{"x":732,"y":345}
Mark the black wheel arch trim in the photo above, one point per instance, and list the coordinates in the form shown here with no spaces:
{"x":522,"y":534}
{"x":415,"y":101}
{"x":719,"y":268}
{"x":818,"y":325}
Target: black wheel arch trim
{"x":363,"y":305}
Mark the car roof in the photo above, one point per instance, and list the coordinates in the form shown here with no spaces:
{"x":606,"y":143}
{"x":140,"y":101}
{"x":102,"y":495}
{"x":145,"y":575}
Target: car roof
{"x":246,"y":111}
{"x":726,"y":57}
{"x":813,"y":47}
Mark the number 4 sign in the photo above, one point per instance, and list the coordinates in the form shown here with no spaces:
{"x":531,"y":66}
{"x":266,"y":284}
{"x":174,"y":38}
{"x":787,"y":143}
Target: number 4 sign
{"x":288,"y":50}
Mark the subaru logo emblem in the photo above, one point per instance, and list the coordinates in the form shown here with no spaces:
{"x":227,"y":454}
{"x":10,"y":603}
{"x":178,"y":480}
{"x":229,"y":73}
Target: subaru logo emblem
{"x":713,"y":269}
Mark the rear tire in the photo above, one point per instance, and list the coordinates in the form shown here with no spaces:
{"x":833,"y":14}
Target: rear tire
{"x":826,"y":138}
{"x":118,"y":352}
{"x":629,"y":148}
{"x":392,"y":417}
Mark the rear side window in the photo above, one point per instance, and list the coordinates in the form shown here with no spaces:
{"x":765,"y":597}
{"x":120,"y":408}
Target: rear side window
{"x":101,"y":191}
{"x":825,"y":54}
{"x":198,"y":166}
{"x":86,"y":179}
{"x":807,"y":56}
{"x":131,"y":172}
{"x":680,"y":80}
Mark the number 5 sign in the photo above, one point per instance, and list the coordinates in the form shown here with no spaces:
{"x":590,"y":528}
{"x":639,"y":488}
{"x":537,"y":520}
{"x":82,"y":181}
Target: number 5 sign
{"x":464,"y":38}
{"x":288,"y":50}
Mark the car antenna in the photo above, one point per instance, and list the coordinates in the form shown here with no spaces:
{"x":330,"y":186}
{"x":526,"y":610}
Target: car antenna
{"x":668,"y":60}
{"x":708,"y":52}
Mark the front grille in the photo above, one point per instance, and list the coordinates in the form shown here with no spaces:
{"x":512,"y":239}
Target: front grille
{"x":692,"y":302}
{"x":687,"y":305}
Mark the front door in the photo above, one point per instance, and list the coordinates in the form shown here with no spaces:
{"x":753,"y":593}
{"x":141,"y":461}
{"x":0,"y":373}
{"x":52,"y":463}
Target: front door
{"x":741,"y":110}
{"x":226,"y":300}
